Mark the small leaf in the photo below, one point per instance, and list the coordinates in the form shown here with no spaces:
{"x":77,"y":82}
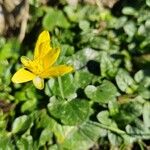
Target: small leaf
{"x":21,"y":124}
{"x":113,"y":107}
{"x":55,"y":18}
{"x":114,"y":139}
{"x":144,"y":92}
{"x":72,"y":112}
{"x":84,"y":25}
{"x":138,"y":130}
{"x":130,"y":29}
{"x":46,"y":136}
{"x":83,"y":78}
{"x":125,"y":82}
{"x":100,"y":43}
{"x":80,"y":59}
{"x":108,"y":66}
{"x":68,"y":86}
{"x":139,"y":76}
{"x":103,"y":117}
{"x":29,"y":106}
{"x":146,"y":114}
{"x":23,"y":144}
{"x":103,"y":93}
{"x":129,"y":11}
{"x":128,"y":112}
{"x":6,"y":143}
{"x":148,"y":2}
{"x":84,"y":137}
{"x":10,"y":50}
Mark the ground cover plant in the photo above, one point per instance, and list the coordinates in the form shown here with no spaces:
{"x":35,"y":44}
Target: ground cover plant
{"x":99,"y":96}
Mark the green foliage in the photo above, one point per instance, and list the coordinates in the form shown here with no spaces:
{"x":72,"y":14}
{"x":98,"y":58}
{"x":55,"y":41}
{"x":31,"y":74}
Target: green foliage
{"x":72,"y":112}
{"x":54,"y":18}
{"x":104,"y":102}
{"x":103,"y":93}
{"x":21,"y":124}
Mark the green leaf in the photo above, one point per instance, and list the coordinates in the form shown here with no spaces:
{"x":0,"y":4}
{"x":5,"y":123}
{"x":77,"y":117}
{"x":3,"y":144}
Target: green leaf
{"x":148,"y":2}
{"x":6,"y":143}
{"x":5,"y":74}
{"x":83,"y":78}
{"x":34,"y":3}
{"x":129,"y":11}
{"x":54,"y":147}
{"x":146,"y":114}
{"x":23,"y":144}
{"x":103,"y":117}
{"x":29,"y":105}
{"x":10,"y":49}
{"x":70,"y":11}
{"x":144,"y":92}
{"x":108,"y":66}
{"x":100,"y":43}
{"x":84,"y":25}
{"x":80,"y":58}
{"x":113,"y":107}
{"x":68,"y":87}
{"x":138,"y":131}
{"x":128,"y":112}
{"x":72,"y":112}
{"x":130,"y":28}
{"x":127,"y":60}
{"x":139,"y":76}
{"x":21,"y":124}
{"x":103,"y":93}
{"x":125,"y":82}
{"x":84,"y":136}
{"x":49,"y":21}
{"x":46,"y":136}
{"x":62,"y":132}
{"x":77,"y":14}
{"x":143,"y":78}
{"x":80,"y":137}
{"x":68,"y":50}
{"x":42,"y":119}
{"x":120,"y":22}
{"x":27,"y":92}
{"x":54,"y":18}
{"x":114,"y":139}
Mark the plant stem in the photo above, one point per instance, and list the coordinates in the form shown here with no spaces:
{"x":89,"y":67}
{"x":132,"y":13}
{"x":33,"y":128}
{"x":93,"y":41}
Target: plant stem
{"x":60,"y":87}
{"x":118,"y":131}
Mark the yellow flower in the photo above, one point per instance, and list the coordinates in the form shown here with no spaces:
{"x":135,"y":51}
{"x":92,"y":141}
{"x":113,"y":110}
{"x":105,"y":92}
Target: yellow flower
{"x":42,"y":65}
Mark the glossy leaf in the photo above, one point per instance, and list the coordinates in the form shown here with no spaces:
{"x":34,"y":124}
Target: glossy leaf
{"x":83,"y":78}
{"x":72,"y":112}
{"x":125,"y":82}
{"x":55,"y":18}
{"x":46,"y":136}
{"x":68,"y":87}
{"x":146,"y":114}
{"x":103,"y":93}
{"x":21,"y":124}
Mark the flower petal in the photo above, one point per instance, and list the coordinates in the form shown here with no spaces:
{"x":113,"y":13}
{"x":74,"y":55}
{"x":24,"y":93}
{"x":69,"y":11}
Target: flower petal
{"x":51,"y":58}
{"x":56,"y":71}
{"x":26,"y":62}
{"x":42,"y":46}
{"x":32,"y":66}
{"x":22,"y":75}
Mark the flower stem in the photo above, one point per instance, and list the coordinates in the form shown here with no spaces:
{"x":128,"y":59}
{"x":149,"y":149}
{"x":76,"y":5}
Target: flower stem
{"x":60,"y":87}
